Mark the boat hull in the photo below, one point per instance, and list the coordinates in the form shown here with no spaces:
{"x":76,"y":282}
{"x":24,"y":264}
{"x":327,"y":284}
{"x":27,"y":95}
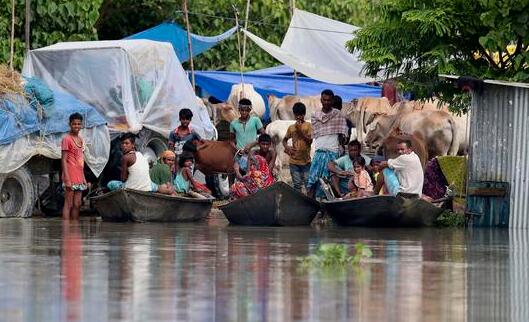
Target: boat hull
{"x":277,"y":205}
{"x":139,"y":206}
{"x":382,"y":211}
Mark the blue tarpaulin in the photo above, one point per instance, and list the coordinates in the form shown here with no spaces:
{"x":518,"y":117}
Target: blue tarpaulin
{"x":218,"y":84}
{"x":177,"y":36}
{"x":276,"y":70}
{"x":18,"y":120}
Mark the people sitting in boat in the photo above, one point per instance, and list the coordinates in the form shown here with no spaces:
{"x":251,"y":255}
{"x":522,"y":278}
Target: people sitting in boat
{"x":408,"y":170}
{"x":264,"y":141}
{"x":252,"y":175}
{"x":341,"y":169}
{"x":360,"y":184}
{"x":162,"y":171}
{"x":184,"y":181}
{"x":183,"y":133}
{"x":135,"y":170}
{"x":377,"y":176}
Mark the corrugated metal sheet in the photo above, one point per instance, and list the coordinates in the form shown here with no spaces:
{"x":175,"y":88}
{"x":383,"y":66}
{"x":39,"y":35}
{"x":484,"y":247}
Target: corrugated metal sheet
{"x":499,"y":138}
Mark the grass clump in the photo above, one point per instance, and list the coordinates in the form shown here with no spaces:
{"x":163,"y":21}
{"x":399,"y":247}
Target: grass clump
{"x":335,"y":255}
{"x":450,"y":219}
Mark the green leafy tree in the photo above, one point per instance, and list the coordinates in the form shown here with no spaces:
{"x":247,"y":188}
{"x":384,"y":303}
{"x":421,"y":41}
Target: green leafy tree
{"x":52,"y":21}
{"x":416,"y":40}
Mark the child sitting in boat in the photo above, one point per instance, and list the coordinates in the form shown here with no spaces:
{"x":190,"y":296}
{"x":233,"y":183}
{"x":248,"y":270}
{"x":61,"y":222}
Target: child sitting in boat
{"x":360,"y":183}
{"x":265,"y":142}
{"x":184,"y":181}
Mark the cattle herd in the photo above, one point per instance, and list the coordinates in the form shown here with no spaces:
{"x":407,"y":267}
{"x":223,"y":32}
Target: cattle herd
{"x":435,"y":130}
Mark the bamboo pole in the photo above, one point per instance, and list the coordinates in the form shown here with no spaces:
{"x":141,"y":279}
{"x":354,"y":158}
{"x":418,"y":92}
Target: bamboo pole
{"x":292,"y":7}
{"x":244,"y":37}
{"x":27,"y":31}
{"x":12,"y":38}
{"x":189,"y":45}
{"x":239,"y":46}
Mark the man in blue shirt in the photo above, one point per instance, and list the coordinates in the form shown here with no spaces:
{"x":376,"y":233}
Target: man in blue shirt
{"x":341,"y":169}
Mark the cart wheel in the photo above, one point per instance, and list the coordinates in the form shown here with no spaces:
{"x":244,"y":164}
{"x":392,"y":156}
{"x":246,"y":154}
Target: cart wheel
{"x":17,"y":194}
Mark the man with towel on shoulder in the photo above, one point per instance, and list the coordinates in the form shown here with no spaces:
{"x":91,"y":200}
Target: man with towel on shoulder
{"x":329,"y":129}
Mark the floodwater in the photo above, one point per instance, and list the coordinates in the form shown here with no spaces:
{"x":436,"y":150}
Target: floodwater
{"x":98,"y":271}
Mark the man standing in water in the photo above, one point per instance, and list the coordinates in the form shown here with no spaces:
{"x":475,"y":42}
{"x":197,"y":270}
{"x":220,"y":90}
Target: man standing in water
{"x":72,"y":162}
{"x":329,"y":129}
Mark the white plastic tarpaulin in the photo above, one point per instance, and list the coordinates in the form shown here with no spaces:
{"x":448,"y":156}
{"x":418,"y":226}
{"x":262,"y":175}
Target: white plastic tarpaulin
{"x":315,"y":46}
{"x":132,"y":83}
{"x":17,"y":153}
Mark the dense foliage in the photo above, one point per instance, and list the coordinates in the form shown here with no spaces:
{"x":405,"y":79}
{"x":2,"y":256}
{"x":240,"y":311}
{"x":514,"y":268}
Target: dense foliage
{"x":62,"y":20}
{"x":417,"y":40}
{"x":52,"y":21}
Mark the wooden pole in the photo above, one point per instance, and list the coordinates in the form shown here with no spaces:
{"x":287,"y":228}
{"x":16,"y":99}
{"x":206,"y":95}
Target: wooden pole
{"x":27,"y":33}
{"x":189,"y":45}
{"x":244,"y":37}
{"x":239,"y":46}
{"x":292,"y":7}
{"x":12,"y":38}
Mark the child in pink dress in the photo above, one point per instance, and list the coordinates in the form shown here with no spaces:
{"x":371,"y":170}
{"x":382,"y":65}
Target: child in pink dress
{"x":360,"y":184}
{"x":72,"y":163}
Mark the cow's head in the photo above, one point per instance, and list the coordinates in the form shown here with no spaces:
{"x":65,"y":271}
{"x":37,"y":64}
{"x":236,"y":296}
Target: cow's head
{"x":377,"y":128}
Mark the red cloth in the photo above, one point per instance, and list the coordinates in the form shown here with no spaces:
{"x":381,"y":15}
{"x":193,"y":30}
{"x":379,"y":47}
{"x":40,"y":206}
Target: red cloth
{"x":258,"y":177}
{"x":74,"y":159}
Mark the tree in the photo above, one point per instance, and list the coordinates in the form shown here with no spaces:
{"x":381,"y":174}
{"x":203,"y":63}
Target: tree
{"x":52,"y":21}
{"x":416,"y":40}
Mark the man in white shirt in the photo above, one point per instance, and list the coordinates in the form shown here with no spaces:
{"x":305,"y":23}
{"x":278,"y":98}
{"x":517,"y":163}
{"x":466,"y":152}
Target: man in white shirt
{"x":408,"y":169}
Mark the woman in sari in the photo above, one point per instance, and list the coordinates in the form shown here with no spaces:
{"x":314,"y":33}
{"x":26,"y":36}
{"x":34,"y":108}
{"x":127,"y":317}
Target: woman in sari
{"x":257,"y":176}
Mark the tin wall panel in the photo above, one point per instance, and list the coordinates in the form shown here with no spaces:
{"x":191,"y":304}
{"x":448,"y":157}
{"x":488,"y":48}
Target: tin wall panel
{"x":499,"y":135}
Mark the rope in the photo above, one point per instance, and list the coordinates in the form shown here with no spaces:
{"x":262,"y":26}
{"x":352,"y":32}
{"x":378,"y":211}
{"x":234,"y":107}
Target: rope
{"x":261,"y":22}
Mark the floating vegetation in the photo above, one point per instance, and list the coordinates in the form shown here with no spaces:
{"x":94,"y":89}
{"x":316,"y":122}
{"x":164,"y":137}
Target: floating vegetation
{"x":450,"y":219}
{"x":335,"y":255}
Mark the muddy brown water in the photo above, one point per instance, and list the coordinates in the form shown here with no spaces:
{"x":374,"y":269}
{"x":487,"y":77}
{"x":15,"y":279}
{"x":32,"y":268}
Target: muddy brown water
{"x":97,"y":271}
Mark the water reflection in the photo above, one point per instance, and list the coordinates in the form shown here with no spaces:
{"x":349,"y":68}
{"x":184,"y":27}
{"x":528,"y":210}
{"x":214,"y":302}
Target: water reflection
{"x":94,"y":271}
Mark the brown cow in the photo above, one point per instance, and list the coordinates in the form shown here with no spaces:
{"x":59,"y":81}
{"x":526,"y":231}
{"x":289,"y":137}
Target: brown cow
{"x":215,"y":157}
{"x":389,"y":145}
{"x":438,"y":129}
{"x":366,"y":107}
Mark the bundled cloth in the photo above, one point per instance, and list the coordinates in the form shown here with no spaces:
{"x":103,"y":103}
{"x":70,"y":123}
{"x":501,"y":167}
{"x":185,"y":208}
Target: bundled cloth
{"x":434,"y":180}
{"x":39,"y":94}
{"x":257,"y":177}
{"x":330,"y":123}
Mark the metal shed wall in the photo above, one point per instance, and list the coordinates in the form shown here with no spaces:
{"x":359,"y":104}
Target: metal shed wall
{"x":499,"y":137}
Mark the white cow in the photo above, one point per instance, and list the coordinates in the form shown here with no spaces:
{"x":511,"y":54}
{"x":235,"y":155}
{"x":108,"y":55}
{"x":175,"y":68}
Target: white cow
{"x":281,"y":108}
{"x":277,"y":130}
{"x":239,"y":91}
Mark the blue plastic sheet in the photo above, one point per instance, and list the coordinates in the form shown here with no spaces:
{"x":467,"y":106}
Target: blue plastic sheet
{"x":18,"y":120}
{"x":219,"y":84}
{"x":177,"y":36}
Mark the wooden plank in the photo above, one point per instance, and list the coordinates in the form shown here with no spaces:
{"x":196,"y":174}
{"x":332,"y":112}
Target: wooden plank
{"x":487,"y":192}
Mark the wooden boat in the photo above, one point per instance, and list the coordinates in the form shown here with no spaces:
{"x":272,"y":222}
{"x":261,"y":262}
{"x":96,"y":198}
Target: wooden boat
{"x":140,"y":206}
{"x":382,"y":211}
{"x":277,"y":205}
